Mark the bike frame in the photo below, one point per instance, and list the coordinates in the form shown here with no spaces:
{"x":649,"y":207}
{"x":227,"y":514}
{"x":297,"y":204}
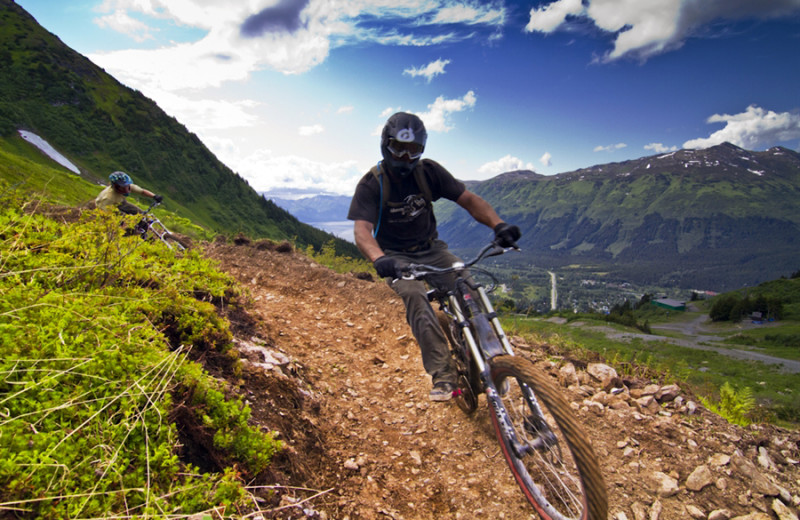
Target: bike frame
{"x":152,"y":223}
{"x":480,"y":327}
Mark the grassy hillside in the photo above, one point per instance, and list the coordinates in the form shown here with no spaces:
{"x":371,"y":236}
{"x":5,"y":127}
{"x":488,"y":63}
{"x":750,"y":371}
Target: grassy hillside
{"x":102,"y":126}
{"x":82,"y":434}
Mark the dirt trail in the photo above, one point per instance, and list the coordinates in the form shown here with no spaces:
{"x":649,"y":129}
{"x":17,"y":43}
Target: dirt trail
{"x":351,"y":402}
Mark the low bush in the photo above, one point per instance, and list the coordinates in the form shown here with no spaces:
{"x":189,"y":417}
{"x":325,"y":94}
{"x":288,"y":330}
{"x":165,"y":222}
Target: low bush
{"x":95,"y":328}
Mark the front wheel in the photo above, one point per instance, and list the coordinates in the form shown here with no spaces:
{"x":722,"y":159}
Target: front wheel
{"x":553,"y":462}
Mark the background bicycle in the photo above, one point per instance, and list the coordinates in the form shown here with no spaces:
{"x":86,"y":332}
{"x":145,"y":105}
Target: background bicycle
{"x":150,"y":227}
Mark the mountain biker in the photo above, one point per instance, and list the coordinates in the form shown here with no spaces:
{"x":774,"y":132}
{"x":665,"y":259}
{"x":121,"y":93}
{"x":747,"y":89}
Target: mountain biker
{"x":115,"y":193}
{"x":401,"y":228}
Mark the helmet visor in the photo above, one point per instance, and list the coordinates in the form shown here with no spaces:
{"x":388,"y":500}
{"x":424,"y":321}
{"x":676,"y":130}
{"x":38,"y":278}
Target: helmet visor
{"x":399,"y":148}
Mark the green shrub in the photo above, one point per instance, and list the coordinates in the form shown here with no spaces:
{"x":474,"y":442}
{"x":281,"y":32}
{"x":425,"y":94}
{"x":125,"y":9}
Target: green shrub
{"x":95,"y":328}
{"x":327,"y":256}
{"x":734,"y":406}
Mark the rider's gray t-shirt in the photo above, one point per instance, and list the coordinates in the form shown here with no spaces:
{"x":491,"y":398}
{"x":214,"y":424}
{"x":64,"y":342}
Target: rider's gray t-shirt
{"x":407,"y":221}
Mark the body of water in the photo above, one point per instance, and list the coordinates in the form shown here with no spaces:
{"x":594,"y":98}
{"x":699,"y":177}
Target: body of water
{"x":342,"y":229}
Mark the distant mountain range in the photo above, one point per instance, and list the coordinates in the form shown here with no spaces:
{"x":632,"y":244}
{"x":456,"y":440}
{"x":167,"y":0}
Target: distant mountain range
{"x":718,"y":218}
{"x":318,"y":208}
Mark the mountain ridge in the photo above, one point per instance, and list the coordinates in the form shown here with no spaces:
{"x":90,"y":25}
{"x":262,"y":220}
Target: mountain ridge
{"x":101,"y":125}
{"x":722,"y":217}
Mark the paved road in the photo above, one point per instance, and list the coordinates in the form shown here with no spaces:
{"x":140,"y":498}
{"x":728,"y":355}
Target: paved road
{"x":699,"y":337}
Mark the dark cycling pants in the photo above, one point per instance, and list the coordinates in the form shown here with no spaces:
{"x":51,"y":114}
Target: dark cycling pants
{"x":421,"y":316}
{"x":128,"y":208}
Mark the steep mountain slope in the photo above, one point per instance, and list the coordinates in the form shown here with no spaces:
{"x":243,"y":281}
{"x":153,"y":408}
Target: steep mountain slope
{"x":102,"y":126}
{"x":719,"y":218}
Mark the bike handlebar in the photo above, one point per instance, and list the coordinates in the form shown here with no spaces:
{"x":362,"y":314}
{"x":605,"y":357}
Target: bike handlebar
{"x":416,"y":271}
{"x":151,"y":207}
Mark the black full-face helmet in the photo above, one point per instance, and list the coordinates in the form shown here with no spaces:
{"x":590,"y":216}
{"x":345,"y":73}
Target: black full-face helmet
{"x":402,"y":143}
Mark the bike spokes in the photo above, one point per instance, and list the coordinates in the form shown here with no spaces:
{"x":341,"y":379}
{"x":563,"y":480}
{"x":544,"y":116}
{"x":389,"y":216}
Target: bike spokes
{"x":548,"y":454}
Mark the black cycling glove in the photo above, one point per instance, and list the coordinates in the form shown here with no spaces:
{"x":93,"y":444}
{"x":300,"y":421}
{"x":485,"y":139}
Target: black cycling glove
{"x":506,"y":235}
{"x":158,"y":198}
{"x":387,"y":267}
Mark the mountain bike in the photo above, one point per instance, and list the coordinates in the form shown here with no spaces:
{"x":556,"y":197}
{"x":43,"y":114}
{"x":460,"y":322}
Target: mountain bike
{"x":150,"y":227}
{"x":545,"y":448}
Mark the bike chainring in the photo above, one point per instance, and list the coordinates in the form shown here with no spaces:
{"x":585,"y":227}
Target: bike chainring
{"x":465,"y":397}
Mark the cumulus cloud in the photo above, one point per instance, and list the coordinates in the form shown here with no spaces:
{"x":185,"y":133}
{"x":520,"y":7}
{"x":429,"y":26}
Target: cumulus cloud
{"x":504,"y":164}
{"x":265,"y":171}
{"x":644,"y":29}
{"x":311,"y":130}
{"x":751,"y":129}
{"x":284,"y":16}
{"x":546,"y":159}
{"x":345,"y":109}
{"x":610,"y":148}
{"x":290,"y":36}
{"x":548,"y":18}
{"x":660,"y":148}
{"x":428,"y":71}
{"x":438,"y":114}
{"x":121,"y":22}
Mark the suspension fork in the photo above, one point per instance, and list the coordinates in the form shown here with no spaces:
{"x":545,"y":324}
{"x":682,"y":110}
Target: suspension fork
{"x":481,"y":316}
{"x":491,"y":315}
{"x":484,"y":347}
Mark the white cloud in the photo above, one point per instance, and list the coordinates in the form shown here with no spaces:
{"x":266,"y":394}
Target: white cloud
{"x":470,"y":14}
{"x":430,"y":70}
{"x":546,"y":159}
{"x":548,"y":18}
{"x":209,"y":114}
{"x":295,"y":38}
{"x":311,"y":130}
{"x":751,"y":129}
{"x":610,"y":148}
{"x":504,"y":164}
{"x":345,"y":109}
{"x":271,"y":166}
{"x":265,"y":171}
{"x":436,"y":118}
{"x":644,"y":29}
{"x":121,"y":22}
{"x":660,"y":148}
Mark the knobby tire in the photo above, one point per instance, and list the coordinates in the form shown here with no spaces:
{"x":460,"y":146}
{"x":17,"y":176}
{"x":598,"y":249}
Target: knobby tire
{"x":562,"y":481}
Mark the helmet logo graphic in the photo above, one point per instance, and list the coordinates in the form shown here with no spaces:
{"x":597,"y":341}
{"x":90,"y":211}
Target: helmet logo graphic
{"x":406,"y":135}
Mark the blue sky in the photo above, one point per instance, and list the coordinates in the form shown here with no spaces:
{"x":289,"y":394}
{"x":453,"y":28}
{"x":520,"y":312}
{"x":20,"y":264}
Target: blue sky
{"x":292,"y":94}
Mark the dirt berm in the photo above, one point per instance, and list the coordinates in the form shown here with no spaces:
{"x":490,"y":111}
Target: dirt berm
{"x":333,"y":368}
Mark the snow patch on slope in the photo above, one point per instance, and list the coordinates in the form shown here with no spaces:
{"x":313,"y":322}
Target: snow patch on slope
{"x":51,"y":152}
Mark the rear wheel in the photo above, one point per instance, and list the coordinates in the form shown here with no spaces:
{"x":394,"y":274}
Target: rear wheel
{"x":466,"y":395}
{"x":554,"y":465}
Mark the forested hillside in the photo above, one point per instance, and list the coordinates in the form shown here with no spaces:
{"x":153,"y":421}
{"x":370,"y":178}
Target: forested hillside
{"x":101,"y":126}
{"x":719,"y":218}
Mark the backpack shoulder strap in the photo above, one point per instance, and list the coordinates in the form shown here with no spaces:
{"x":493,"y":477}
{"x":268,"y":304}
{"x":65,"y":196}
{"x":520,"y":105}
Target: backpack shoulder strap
{"x":422,"y":182}
{"x":383,"y":184}
{"x":384,"y":187}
